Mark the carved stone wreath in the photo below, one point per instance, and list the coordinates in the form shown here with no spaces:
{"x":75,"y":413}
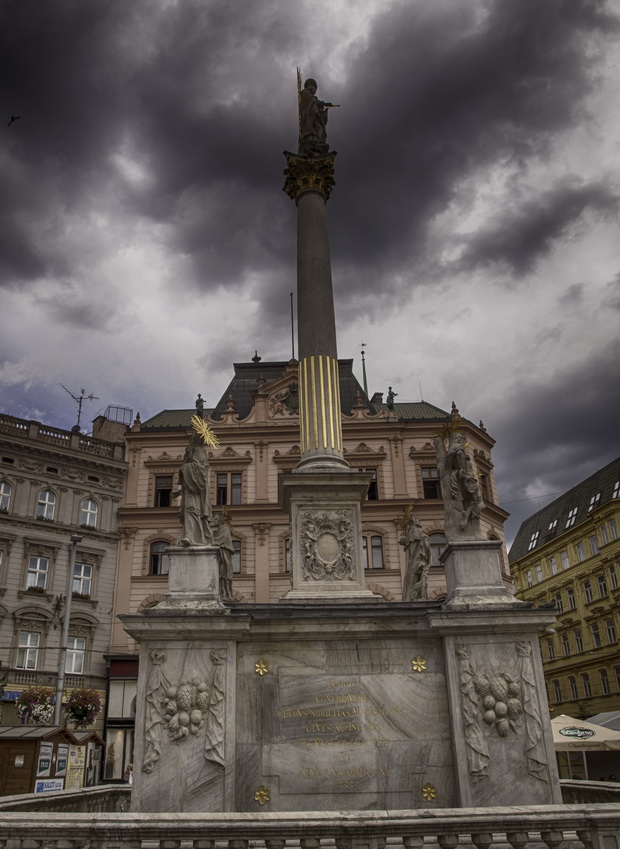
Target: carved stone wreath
{"x":327,"y":546}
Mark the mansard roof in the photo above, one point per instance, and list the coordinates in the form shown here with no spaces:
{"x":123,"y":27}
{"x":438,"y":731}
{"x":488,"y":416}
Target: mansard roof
{"x":581,"y":498}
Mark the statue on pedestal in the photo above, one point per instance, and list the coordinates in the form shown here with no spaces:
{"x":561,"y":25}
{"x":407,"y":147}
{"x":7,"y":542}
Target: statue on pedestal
{"x":222,"y":536}
{"x":195,"y":509}
{"x":418,"y":552}
{"x":461,"y":491}
{"x":312,"y":121}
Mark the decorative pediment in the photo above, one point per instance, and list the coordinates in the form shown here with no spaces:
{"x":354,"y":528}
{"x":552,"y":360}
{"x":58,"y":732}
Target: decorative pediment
{"x":427,"y":448}
{"x":229,"y":459}
{"x":288,"y":460}
{"x":363,"y":454}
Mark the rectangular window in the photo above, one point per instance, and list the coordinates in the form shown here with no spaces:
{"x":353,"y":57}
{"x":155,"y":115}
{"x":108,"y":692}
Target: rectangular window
{"x":581,"y":552}
{"x":564,"y":559}
{"x":572,"y":683}
{"x":163,"y":490}
{"x":594,"y":502}
{"x":373,"y":551}
{"x":604,"y":679}
{"x":613,"y":529}
{"x":558,"y":601}
{"x":602,"y":586}
{"x":572,"y":517}
{"x":611,"y":631}
{"x":431,"y":485}
{"x":604,"y":535}
{"x":533,"y":540}
{"x":557,"y":691}
{"x":596,"y":637}
{"x":587,"y":591}
{"x":528,"y":578}
{"x":82,"y":578}
{"x":550,"y":650}
{"x":552,"y":529}
{"x":236,"y":557}
{"x":228,"y":488}
{"x":578,"y":640}
{"x":76,"y":649}
{"x":553,"y":565}
{"x":616,"y":492}
{"x":593,"y":545}
{"x":539,"y":573}
{"x":373,"y":490}
{"x":587,"y":689}
{"x":570,"y":594}
{"x":613,"y":576}
{"x":38,"y":568}
{"x":28,"y":649}
{"x":566,"y":645}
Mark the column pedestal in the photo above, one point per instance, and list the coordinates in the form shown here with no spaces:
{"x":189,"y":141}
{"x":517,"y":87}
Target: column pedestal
{"x":473,"y":574}
{"x":194,"y":579}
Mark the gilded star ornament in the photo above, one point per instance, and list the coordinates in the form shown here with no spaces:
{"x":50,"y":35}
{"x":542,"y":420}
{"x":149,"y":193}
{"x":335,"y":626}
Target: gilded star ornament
{"x":262,"y":795}
{"x":261,"y":667}
{"x":202,"y":429}
{"x":418,"y":664}
{"x":429,"y":792}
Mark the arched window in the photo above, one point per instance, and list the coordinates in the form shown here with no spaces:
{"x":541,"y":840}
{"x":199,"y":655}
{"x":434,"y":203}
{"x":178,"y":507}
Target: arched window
{"x":372,"y":545}
{"x":438,"y":543}
{"x":5,"y":496}
{"x":88,"y":513}
{"x":46,"y":505}
{"x":159,"y":562}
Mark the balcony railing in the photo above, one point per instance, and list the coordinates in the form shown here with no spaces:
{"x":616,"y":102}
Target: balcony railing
{"x":552,"y":826}
{"x":62,"y":438}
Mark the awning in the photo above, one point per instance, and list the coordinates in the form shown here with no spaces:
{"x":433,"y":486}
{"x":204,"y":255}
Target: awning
{"x":571,"y":734}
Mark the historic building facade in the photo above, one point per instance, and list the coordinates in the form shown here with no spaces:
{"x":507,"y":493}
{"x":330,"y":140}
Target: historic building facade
{"x":55,"y":484}
{"x":568,"y":554}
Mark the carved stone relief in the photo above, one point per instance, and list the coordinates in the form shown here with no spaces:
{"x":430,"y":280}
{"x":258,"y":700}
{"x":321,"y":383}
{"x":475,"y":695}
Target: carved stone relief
{"x":499,"y":702}
{"x":186,"y":708}
{"x":327,"y":545}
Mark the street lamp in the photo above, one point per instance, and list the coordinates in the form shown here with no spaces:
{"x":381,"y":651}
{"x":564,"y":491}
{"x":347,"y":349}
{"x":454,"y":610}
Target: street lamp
{"x":62,"y":651}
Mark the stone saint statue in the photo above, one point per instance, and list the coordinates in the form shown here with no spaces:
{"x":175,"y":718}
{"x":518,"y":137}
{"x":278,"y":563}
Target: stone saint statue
{"x":223,"y":537}
{"x":200,"y":405}
{"x":418,"y":552}
{"x":461,"y":490}
{"x":195,"y":510}
{"x":312,"y":121}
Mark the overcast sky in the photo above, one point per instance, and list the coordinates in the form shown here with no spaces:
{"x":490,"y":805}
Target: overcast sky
{"x":146,"y":243}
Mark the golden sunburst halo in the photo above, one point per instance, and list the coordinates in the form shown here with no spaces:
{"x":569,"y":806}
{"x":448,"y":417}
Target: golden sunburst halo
{"x":203,"y":430}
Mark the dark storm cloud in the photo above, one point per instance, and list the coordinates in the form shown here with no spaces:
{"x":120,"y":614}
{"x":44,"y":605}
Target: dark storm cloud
{"x":524,"y":235}
{"x":439,"y":94}
{"x":557,"y":428}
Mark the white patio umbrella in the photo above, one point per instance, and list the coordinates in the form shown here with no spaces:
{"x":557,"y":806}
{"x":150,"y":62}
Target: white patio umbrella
{"x":571,"y":734}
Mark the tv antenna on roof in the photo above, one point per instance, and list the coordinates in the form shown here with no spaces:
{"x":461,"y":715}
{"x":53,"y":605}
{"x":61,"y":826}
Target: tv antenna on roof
{"x":79,"y":399}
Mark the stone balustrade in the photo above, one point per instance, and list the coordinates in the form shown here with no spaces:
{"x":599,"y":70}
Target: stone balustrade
{"x":62,"y":438}
{"x":552,"y":826}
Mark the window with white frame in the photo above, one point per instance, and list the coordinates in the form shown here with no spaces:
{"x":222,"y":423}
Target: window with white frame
{"x":431,"y":485}
{"x":38,"y":570}
{"x":570,"y":595}
{"x":163,"y":490}
{"x":572,"y":517}
{"x":76,"y":652}
{"x":236,"y":557}
{"x":611,"y":631}
{"x":159,"y":562}
{"x":550,"y":650}
{"x":557,"y":691}
{"x":82,"y":579}
{"x":604,"y":536}
{"x":88,"y":513}
{"x":613,"y":576}
{"x":373,"y":489}
{"x":372,"y":545}
{"x":539,"y":573}
{"x":587,"y":688}
{"x":5,"y":496}
{"x":558,"y":600}
{"x":553,"y":565}
{"x":46,"y":505}
{"x":528,"y":578}
{"x":604,"y":679}
{"x":552,"y":529}
{"x":596,"y":636}
{"x":28,"y":644}
{"x":602,"y":586}
{"x":593,"y":545}
{"x":564,"y":559}
{"x":533,"y":540}
{"x":566,"y":645}
{"x":613,"y":529}
{"x":594,"y":502}
{"x":581,"y":552}
{"x":587,"y":591}
{"x":578,"y":640}
{"x":572,"y":686}
{"x":228,"y":488}
{"x":616,"y":492}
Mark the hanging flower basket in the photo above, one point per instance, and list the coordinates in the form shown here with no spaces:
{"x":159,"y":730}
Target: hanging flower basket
{"x":83,"y":707}
{"x":35,"y":706}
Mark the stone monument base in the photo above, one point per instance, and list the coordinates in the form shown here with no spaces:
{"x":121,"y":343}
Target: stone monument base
{"x":473,"y":574}
{"x":193,"y":579}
